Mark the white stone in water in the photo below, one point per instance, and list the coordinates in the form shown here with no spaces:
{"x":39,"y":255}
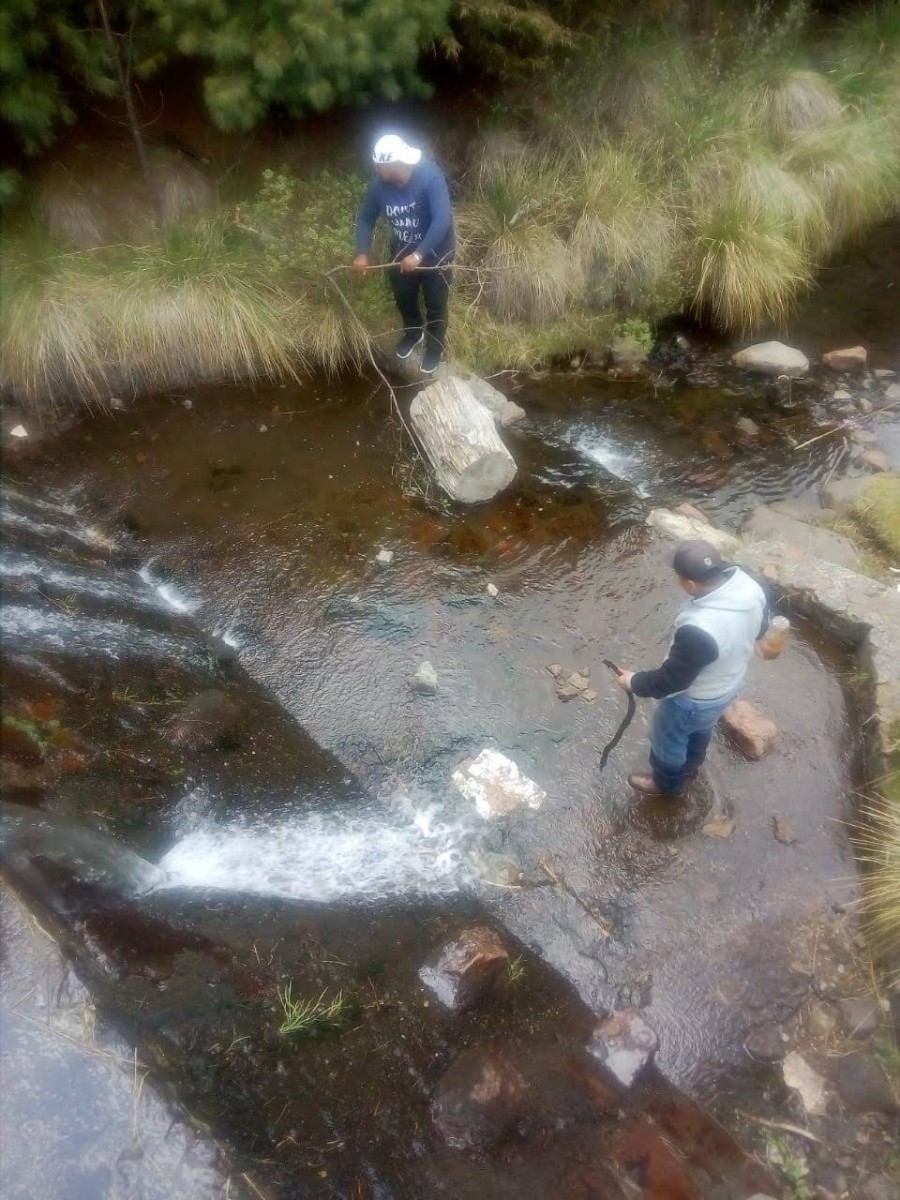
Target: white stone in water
{"x":683,"y":528}
{"x":18,"y":431}
{"x":492,"y":590}
{"x":384,"y":557}
{"x":425,"y":680}
{"x":772,"y":358}
{"x":841,"y":394}
{"x":496,"y":786}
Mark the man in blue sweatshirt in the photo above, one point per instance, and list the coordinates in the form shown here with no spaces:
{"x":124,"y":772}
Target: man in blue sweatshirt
{"x":412,"y":195}
{"x":716,"y":633}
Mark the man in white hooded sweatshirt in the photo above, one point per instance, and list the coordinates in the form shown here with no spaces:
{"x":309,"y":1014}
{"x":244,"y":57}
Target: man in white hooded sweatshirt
{"x":715,"y":635}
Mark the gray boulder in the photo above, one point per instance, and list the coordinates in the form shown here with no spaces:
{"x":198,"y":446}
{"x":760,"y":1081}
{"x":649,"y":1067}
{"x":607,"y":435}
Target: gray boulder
{"x":772,"y":358}
{"x":764,"y":524}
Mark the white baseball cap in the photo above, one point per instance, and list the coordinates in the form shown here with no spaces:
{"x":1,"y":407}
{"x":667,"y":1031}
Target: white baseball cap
{"x":393,"y":149}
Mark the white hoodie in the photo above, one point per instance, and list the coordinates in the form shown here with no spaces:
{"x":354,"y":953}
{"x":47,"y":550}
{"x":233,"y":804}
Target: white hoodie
{"x":733,"y":616}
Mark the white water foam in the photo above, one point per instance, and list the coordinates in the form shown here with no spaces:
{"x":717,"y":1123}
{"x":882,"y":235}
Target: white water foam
{"x":614,"y":458}
{"x":169,"y":595}
{"x":325,"y":857}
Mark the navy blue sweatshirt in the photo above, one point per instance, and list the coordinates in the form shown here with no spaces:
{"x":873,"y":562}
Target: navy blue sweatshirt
{"x":418,"y":212}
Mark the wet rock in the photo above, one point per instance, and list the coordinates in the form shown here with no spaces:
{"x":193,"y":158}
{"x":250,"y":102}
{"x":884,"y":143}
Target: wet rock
{"x":478,"y":1100}
{"x":425,"y":680}
{"x":719,"y":827}
{"x":765,"y":1044}
{"x":892,"y":392}
{"x":492,"y":590}
{"x":863,"y":1085}
{"x":496,"y":786}
{"x":860,"y":1015}
{"x":751,"y":730}
{"x":684,"y":529}
{"x":883,"y":373}
{"x":384,"y":558}
{"x":772,"y":358}
{"x":208,"y":720}
{"x":692,"y":512}
{"x":841,"y":395}
{"x":842,"y":494}
{"x":747,"y":429}
{"x":767,"y":524}
{"x":510,"y":414}
{"x":807,"y":1082}
{"x":714,"y":443}
{"x":863,"y":437}
{"x":467,"y":968}
{"x":16,"y":778}
{"x":864,"y":405}
{"x":878,"y":1187}
{"x":875,"y":460}
{"x":625,"y":1044}
{"x":852,"y":359}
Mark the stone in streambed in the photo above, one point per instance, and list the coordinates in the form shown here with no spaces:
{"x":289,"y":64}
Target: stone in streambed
{"x":510,"y":414}
{"x":746,"y":429}
{"x":851,"y":359}
{"x":875,"y":460}
{"x":425,"y":680}
{"x":478,"y":1101}
{"x":772,"y":358}
{"x":892,"y":393}
{"x":752,"y":731}
{"x":684,"y":529}
{"x":496,"y":786}
{"x":467,"y":968}
{"x":625,"y":1044}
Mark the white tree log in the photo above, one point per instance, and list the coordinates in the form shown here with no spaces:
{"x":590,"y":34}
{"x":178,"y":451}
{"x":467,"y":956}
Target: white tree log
{"x":459,"y":436}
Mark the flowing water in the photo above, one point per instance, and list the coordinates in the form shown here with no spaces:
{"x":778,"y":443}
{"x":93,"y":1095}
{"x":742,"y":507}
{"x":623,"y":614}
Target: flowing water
{"x":257,"y":516}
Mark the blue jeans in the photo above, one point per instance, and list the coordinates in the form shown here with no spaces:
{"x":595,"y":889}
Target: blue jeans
{"x":679,"y":737}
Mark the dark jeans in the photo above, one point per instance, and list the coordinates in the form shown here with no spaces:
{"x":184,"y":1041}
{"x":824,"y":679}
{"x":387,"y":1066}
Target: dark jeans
{"x":435,"y":288}
{"x":679,"y":737}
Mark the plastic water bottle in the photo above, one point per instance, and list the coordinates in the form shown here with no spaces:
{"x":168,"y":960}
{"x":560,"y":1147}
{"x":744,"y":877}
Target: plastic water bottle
{"x":776,"y":637}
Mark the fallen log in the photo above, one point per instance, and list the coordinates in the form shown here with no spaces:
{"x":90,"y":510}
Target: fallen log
{"x":460,"y":439}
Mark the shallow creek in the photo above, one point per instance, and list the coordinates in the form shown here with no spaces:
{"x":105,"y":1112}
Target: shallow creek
{"x":258,"y":514}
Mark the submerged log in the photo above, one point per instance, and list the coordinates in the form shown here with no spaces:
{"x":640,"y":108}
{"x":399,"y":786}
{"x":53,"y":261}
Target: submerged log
{"x":459,"y":437}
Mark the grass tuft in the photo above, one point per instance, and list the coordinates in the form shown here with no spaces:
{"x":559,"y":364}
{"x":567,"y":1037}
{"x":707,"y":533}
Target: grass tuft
{"x":308,"y":1017}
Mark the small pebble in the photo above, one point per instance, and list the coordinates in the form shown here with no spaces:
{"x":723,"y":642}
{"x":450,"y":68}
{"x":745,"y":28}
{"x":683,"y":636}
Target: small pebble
{"x":492,"y":590}
{"x":385,"y":557}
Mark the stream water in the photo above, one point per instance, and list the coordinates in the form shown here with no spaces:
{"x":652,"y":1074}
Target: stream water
{"x":257,"y":515}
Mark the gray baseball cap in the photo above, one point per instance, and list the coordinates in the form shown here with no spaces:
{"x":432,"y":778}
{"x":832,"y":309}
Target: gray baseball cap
{"x":698,"y":561}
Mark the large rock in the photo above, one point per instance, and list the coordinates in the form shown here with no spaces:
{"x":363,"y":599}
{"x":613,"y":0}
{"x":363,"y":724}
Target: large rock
{"x":875,"y":460}
{"x":842,"y":494}
{"x":682,"y":528}
{"x":209,"y":720}
{"x":851,"y":359}
{"x":752,"y":731}
{"x":772,"y":358}
{"x":478,"y":1101}
{"x":625,"y":1044}
{"x":466,"y":969}
{"x":766,"y":524}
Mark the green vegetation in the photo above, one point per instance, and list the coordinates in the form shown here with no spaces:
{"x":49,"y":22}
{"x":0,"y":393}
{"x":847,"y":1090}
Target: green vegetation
{"x":793,"y":1167}
{"x":309,"y":1017}
{"x":646,"y":170}
{"x":877,"y":509}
